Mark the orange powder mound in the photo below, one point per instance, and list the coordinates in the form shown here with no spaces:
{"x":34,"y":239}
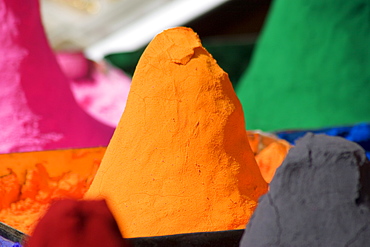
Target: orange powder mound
{"x":179,"y":160}
{"x":269,"y":152}
{"x":271,"y":157}
{"x":35,"y":179}
{"x":9,"y":189}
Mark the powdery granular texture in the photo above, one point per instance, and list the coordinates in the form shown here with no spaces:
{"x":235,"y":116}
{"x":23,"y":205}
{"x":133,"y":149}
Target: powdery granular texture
{"x":29,"y":182}
{"x":98,"y":87}
{"x":319,"y":196}
{"x":35,"y":196}
{"x":70,"y":223}
{"x":38,"y":110}
{"x":179,"y":160}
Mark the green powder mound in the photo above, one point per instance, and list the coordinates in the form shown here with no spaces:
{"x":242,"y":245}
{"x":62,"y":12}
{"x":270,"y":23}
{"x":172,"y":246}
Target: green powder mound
{"x":311,"y":67}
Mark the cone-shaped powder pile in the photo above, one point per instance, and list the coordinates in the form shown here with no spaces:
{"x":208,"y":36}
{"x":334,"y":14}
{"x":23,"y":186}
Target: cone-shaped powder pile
{"x":310,"y":68}
{"x":98,"y":87}
{"x":179,"y":160}
{"x":319,"y":196}
{"x":38,"y":111}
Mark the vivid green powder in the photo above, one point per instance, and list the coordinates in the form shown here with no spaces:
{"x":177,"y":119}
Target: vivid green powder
{"x":311,"y":67}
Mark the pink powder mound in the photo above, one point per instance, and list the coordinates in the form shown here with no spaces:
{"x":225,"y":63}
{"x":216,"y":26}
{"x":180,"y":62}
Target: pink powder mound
{"x":37,"y":108}
{"x":99,"y":88}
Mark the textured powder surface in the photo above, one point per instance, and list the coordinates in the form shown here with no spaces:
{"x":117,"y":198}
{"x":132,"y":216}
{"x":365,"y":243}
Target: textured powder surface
{"x":319,"y":196}
{"x":29,"y":182}
{"x":99,"y":88}
{"x":179,"y":160}
{"x":38,"y":110}
{"x":70,"y":223}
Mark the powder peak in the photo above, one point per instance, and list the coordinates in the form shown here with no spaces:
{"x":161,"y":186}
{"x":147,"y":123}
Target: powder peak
{"x":176,"y":44}
{"x":180,"y":159}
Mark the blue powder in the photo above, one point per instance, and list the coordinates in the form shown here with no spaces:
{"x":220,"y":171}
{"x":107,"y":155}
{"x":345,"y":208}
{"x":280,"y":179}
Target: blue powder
{"x":7,"y":243}
{"x":359,"y":133}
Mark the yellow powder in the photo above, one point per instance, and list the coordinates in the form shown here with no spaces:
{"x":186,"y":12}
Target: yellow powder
{"x":179,"y":160}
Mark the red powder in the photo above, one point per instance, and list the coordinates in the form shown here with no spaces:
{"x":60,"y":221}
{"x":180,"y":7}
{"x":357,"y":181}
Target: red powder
{"x":70,"y":223}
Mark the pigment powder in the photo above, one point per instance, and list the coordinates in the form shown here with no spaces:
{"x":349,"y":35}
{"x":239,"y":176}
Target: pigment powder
{"x":310,"y":68}
{"x":98,"y":87}
{"x":70,"y":223}
{"x":319,"y":196}
{"x":38,"y":110}
{"x":179,"y":160}
{"x":29,"y":182}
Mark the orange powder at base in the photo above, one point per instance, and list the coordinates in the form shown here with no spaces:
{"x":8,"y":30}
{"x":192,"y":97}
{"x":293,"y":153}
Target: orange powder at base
{"x":269,"y":151}
{"x":179,"y":160}
{"x":29,"y":182}
{"x":271,"y":157}
{"x":9,"y":189}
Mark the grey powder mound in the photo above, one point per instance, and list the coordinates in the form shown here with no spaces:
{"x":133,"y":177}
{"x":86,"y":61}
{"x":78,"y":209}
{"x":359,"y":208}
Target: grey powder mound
{"x":318,"y":197}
